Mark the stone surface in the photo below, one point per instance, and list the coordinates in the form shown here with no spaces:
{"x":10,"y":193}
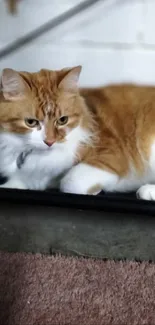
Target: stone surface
{"x":76,"y":232}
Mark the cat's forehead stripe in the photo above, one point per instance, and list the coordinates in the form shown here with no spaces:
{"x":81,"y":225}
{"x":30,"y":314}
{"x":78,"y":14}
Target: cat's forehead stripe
{"x":48,"y":109}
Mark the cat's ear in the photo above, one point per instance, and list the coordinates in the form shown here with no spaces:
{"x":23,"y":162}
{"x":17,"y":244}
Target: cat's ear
{"x":70,"y":81}
{"x":13,"y":85}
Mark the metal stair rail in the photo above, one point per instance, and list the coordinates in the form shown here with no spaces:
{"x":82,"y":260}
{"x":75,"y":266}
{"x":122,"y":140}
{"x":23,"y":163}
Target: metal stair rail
{"x":50,"y":25}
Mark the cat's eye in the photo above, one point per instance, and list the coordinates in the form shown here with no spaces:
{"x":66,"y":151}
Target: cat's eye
{"x":62,"y":120}
{"x":31,"y":123}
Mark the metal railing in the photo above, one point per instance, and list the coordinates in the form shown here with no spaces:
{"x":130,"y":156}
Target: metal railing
{"x":50,"y":25}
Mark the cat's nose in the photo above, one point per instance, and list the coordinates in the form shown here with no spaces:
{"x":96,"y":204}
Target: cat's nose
{"x":49,"y":143}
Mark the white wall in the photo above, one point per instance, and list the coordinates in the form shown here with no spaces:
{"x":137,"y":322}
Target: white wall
{"x":114,"y":41}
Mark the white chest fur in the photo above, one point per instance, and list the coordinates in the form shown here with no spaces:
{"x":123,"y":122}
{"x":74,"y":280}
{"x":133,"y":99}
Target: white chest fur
{"x":41,"y":166}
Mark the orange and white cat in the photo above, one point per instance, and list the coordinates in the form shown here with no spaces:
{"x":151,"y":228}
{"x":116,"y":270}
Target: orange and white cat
{"x":88,"y":139}
{"x":41,"y":126}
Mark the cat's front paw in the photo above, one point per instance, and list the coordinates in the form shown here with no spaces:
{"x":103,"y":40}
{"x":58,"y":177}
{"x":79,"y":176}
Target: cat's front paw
{"x":68,"y":185}
{"x":146,"y":192}
{"x":73,"y":184}
{"x":77,"y":183}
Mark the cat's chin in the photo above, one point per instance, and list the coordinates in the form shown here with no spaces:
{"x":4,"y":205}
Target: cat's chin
{"x":39,"y":147}
{"x":43,"y":148}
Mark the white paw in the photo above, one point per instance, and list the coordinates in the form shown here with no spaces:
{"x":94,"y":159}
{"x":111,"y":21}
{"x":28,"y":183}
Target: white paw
{"x":146,"y":192}
{"x":70,"y":185}
{"x":79,"y":184}
{"x":86,"y":179}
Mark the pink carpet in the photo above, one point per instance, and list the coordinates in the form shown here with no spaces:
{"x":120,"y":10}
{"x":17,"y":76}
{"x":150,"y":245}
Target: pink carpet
{"x":41,"y":290}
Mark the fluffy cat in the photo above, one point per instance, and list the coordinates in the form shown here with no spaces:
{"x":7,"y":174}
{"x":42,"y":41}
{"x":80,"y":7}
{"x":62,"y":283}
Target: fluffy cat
{"x":90,"y":139}
{"x":41,"y":126}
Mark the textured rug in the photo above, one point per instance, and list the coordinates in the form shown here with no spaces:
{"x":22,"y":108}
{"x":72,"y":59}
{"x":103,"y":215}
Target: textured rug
{"x":42,"y":290}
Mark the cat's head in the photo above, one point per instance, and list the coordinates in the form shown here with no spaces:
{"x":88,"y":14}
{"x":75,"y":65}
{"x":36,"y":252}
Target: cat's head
{"x":44,"y":107}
